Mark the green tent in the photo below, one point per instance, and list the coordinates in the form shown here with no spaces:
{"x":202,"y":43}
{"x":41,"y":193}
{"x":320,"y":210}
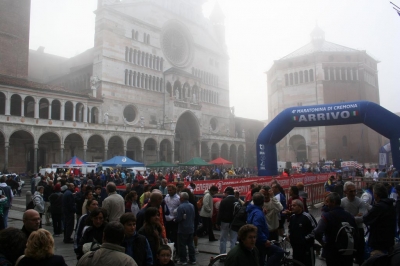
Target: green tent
{"x":196,"y":161}
{"x":161,"y":164}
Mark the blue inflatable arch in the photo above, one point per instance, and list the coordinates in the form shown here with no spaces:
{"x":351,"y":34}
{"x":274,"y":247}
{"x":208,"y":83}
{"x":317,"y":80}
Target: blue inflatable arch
{"x":371,"y":114}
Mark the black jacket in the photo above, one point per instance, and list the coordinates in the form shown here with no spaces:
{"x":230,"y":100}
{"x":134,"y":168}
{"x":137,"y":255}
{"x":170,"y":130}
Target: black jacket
{"x":381,"y":220}
{"x":55,"y":200}
{"x":225,"y":212}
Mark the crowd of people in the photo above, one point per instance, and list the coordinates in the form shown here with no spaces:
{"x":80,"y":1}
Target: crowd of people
{"x":138,"y":226}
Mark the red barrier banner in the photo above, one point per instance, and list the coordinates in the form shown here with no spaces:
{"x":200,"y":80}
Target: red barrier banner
{"x":243,"y":184}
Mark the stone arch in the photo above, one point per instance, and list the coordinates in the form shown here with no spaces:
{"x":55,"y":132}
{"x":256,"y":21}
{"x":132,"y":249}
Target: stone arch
{"x":68,"y":111}
{"x":2,"y":103}
{"x":150,"y":151}
{"x":73,"y":146}
{"x":177,"y":90}
{"x":44,"y":108}
{"x":79,"y":112}
{"x":56,"y":110}
{"x":214,"y":151}
{"x":134,"y":149}
{"x":169,"y":89}
{"x":298,"y":144}
{"x":29,"y":106}
{"x":165,"y":153}
{"x":241,"y":155}
{"x":49,"y":145}
{"x":115,"y":147}
{"x":95,"y":151}
{"x":21,"y":142}
{"x":233,"y":154}
{"x":225,"y":151}
{"x":187,"y":135}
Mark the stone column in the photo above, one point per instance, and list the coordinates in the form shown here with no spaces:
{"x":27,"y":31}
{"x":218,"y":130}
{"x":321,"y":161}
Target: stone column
{"x":8,"y":103}
{"x":219,"y":151}
{"x":125,"y":149}
{"x":209,"y":152}
{"x":62,"y":110}
{"x":85,"y":114}
{"x":62,"y":153}
{"x":84,"y":152}
{"x":36,"y":109}
{"x":158,"y":154}
{"x":22,"y":108}
{"x":173,"y":155}
{"x":6,"y":146}
{"x":142,"y":149}
{"x":90,"y":115}
{"x":35,"y":166}
{"x":105,"y":154}
{"x":236,"y":157}
{"x":200,"y":147}
{"x":49,"y":111}
{"x":73,"y":111}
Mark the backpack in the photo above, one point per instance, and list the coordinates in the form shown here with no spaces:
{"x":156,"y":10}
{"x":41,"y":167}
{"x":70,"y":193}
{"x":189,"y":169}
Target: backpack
{"x":239,"y":216}
{"x":200,"y":203}
{"x":344,"y":240}
{"x":31,"y":204}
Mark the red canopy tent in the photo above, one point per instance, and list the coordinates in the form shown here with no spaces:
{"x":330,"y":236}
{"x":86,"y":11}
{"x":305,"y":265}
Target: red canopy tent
{"x":220,"y":161}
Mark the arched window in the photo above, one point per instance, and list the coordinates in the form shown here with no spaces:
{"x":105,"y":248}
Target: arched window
{"x":291,"y":78}
{"x":134,"y":60}
{"x":301,"y":76}
{"x":126,"y":53}
{"x":286,"y":80}
{"x":296,"y":78}
{"x":130,"y":77}
{"x":130,"y":55}
{"x":311,"y":75}
{"x":138,"y":80}
{"x":344,"y":141}
{"x":151,"y":61}
{"x":305,"y":75}
{"x":349,"y":76}
{"x":134,"y":79}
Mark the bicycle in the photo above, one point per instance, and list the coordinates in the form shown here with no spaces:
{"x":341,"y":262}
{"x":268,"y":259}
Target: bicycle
{"x":218,"y":260}
{"x":286,"y":260}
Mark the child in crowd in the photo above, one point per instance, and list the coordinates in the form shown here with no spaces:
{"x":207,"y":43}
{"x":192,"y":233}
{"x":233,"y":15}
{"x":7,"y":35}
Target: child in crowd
{"x":164,"y":255}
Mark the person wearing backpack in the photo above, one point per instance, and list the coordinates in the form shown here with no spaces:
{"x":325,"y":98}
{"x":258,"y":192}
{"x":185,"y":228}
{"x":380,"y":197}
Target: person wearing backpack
{"x":255,"y":216}
{"x":207,"y":210}
{"x":356,"y":207}
{"x":381,"y":220}
{"x":225,"y":218}
{"x":335,"y":224}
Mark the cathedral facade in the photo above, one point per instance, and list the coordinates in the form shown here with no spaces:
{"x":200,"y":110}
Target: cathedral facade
{"x":154,"y":87}
{"x":323,"y":72}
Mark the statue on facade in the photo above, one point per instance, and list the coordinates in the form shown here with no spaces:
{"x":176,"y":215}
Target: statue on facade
{"x":93,"y":82}
{"x":105,"y":118}
{"x":177,"y":96}
{"x":141,"y":121}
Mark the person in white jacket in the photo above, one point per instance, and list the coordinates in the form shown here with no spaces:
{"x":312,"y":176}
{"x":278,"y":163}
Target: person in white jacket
{"x":207,"y":210}
{"x":272,"y":208}
{"x":38,"y":201}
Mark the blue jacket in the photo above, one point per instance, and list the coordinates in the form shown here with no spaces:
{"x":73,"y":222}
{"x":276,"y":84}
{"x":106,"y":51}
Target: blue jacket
{"x":256,"y":217}
{"x":68,"y":203}
{"x":186,"y":225}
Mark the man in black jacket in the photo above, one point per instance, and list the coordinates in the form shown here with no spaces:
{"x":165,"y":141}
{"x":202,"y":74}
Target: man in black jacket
{"x":381,"y":220}
{"x":225,"y":217}
{"x":69,"y":209}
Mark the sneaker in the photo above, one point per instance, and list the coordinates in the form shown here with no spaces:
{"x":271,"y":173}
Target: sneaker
{"x":196,"y":250}
{"x":181,"y":263}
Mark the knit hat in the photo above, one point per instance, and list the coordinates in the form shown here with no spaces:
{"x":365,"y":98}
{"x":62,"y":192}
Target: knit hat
{"x":57,"y":188}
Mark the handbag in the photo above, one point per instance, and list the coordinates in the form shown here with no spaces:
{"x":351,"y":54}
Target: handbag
{"x":90,"y":246}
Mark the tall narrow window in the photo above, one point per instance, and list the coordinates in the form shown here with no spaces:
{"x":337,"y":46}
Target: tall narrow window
{"x":306,"y":76}
{"x":301,"y":76}
{"x":296,"y":78}
{"x":291,"y":78}
{"x":311,"y":75}
{"x":286,"y":80}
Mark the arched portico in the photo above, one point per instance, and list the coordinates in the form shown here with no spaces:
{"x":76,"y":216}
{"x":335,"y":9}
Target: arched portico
{"x":368,"y":113}
{"x":48,"y":149}
{"x":187,"y":137}
{"x":22,"y":142}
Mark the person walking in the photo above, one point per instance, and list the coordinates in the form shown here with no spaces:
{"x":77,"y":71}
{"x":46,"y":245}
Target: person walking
{"x":114,"y":203}
{"x":7,"y":191}
{"x":207,"y":211}
{"x":225,"y":217}
{"x":69,"y":209}
{"x":38,"y":202}
{"x":185,"y":218}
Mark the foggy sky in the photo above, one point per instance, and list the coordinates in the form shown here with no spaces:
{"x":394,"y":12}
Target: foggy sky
{"x":257,"y":33}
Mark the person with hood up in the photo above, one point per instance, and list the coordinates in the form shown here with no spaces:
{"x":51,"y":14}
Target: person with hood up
{"x":255,"y":216}
{"x":381,"y":220}
{"x":39,"y":202}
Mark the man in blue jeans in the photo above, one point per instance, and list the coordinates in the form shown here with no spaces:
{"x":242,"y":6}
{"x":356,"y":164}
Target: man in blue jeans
{"x":185,"y":218}
{"x":255,"y":216}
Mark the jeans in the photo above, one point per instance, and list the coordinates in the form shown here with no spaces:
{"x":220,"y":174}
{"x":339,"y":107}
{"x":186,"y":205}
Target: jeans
{"x":225,"y":231}
{"x":69,"y":220}
{"x":5,"y":216}
{"x":207,"y":225}
{"x":47,"y":214}
{"x":183,"y":241}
